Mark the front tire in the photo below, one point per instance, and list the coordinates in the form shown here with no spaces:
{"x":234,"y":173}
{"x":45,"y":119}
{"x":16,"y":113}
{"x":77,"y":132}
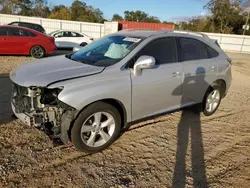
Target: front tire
{"x":212,"y":100}
{"x":37,"y":52}
{"x":97,"y":127}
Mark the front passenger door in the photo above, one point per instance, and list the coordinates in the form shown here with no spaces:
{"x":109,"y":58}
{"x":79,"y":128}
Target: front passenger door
{"x":157,"y":89}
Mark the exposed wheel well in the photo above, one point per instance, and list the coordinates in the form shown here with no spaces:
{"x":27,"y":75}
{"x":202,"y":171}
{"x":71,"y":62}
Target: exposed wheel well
{"x":222,"y":85}
{"x":117,"y":104}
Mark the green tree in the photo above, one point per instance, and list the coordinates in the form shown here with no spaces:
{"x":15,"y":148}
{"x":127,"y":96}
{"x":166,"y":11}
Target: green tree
{"x":40,"y":9}
{"x":166,"y":22}
{"x":225,"y":13}
{"x":117,"y":17}
{"x":61,"y":14}
{"x":135,"y":16}
{"x":152,"y":19}
{"x":80,"y":11}
{"x":7,"y":7}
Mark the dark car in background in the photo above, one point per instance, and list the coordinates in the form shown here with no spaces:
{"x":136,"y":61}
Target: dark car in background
{"x":15,"y":40}
{"x":34,"y":26}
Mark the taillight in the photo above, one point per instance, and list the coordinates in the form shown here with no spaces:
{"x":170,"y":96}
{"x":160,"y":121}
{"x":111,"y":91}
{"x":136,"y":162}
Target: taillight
{"x":229,"y":60}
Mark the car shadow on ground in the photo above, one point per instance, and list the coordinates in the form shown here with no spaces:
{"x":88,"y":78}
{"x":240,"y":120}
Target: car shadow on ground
{"x":5,"y":95}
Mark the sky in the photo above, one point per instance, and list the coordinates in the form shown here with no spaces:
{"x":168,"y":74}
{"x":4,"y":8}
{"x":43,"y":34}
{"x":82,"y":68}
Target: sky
{"x":165,"y":10}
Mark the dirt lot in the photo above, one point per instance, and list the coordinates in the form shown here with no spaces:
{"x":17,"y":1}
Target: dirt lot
{"x":176,"y":150}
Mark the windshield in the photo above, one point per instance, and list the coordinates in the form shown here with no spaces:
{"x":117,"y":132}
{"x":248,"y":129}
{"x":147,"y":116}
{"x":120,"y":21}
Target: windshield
{"x":106,"y":51}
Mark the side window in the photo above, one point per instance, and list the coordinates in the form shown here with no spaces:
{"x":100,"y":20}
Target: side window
{"x":32,"y":34}
{"x":192,"y":49}
{"x":76,"y":34}
{"x":3,"y":31}
{"x":163,"y":50}
{"x":18,"y":32}
{"x":60,"y":34}
{"x":211,"y":52}
{"x":67,"y":34}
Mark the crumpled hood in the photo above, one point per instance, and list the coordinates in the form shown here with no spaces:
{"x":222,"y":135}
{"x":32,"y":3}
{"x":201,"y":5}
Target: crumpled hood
{"x":49,"y":70}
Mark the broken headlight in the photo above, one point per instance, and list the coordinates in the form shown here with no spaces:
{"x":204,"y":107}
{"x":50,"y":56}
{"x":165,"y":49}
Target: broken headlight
{"x":49,"y":96}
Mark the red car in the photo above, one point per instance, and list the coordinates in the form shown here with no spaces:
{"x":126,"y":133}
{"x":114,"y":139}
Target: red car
{"x":19,"y":40}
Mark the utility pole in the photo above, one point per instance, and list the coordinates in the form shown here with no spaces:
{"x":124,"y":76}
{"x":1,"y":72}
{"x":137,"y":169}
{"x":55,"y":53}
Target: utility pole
{"x":246,"y":22}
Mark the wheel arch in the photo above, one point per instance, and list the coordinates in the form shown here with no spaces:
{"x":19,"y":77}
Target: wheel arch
{"x":38,"y":45}
{"x":114,"y":102}
{"x":223,"y":85}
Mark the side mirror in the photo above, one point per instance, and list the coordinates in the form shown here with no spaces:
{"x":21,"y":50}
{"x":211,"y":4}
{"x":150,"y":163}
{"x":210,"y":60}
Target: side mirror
{"x":143,"y":62}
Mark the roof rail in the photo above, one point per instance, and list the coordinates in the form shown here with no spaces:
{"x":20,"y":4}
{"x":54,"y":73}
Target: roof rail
{"x":185,"y":32}
{"x":191,"y":33}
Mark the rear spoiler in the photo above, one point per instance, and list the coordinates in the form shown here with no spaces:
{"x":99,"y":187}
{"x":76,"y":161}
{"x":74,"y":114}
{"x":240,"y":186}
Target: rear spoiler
{"x":216,"y":42}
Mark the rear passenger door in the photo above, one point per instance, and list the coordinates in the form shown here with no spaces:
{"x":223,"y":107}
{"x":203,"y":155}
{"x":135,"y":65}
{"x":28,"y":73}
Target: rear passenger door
{"x":158,"y":89}
{"x":199,"y":66}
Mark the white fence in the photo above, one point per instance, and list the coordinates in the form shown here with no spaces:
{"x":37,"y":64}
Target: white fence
{"x":95,"y":30}
{"x":232,"y":43}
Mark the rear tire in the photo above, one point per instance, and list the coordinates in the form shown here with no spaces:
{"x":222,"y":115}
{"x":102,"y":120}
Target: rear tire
{"x":96,"y":128}
{"x":212,"y":100}
{"x":37,"y":52}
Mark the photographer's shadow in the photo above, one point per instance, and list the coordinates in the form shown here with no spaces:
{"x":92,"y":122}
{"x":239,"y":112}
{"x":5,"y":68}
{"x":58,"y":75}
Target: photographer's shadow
{"x":190,"y":122}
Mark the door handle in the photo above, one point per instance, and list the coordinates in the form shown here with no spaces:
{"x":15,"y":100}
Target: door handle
{"x":212,"y":68}
{"x":176,"y":74}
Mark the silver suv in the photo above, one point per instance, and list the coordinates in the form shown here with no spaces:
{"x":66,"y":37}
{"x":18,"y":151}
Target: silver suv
{"x":89,"y":96}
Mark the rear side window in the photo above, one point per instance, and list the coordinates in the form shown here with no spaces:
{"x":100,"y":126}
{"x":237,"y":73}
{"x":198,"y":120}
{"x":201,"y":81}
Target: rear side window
{"x":211,"y":52}
{"x":18,"y":32}
{"x":32,"y":34}
{"x":192,"y":49}
{"x":76,"y":34}
{"x":38,"y":28}
{"x":163,"y":50}
{"x":3,"y":31}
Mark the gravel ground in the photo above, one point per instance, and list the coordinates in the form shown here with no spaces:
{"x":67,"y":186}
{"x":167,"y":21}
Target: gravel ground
{"x":180,"y":149}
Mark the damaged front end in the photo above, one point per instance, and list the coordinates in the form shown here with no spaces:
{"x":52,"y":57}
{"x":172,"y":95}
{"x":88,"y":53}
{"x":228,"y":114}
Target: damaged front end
{"x":41,"y":108}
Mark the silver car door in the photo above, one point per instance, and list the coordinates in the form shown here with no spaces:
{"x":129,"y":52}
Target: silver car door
{"x":200,"y":70}
{"x":157,"y":89}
